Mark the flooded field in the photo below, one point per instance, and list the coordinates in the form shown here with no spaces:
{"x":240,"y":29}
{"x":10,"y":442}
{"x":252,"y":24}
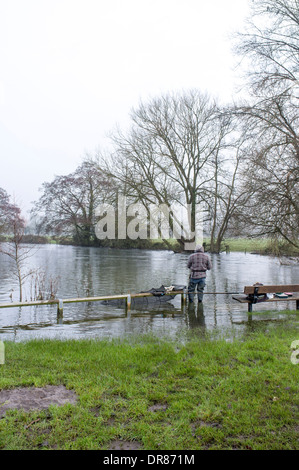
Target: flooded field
{"x":82,"y":272}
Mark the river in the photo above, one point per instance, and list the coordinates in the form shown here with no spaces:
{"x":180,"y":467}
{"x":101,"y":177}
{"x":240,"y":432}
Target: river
{"x":82,"y":272}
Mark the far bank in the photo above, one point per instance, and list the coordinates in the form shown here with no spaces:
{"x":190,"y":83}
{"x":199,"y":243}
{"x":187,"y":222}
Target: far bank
{"x":263,"y":246}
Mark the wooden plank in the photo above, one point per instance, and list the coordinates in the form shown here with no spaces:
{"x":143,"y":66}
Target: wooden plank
{"x":272,"y":289}
{"x":95,"y":299}
{"x":116,"y":297}
{"x":27,"y":304}
{"x":242,"y":299}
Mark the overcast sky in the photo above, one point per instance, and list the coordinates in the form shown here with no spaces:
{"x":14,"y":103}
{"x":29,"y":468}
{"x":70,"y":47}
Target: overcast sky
{"x":70,"y":70}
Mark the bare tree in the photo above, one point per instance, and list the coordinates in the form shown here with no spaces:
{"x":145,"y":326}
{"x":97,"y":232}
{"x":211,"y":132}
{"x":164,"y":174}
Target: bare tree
{"x":17,"y":251}
{"x":169,"y":153}
{"x":270,"y":41}
{"x":228,"y":195}
{"x":271,"y":118}
{"x":8,"y":212}
{"x":13,"y":225}
{"x":273,"y":178}
{"x":67,"y":205}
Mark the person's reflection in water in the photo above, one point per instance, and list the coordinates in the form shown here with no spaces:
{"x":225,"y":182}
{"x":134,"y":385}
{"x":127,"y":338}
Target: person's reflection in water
{"x":196,"y":316}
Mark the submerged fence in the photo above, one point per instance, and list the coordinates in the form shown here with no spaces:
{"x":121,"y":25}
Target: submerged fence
{"x":60,"y":302}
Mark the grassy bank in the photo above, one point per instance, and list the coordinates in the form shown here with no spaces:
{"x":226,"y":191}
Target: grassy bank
{"x":247,"y":244}
{"x":260,"y":245}
{"x":158,"y":394}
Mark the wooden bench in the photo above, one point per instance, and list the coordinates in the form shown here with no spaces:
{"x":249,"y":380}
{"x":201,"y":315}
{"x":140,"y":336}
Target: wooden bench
{"x":252,"y":294}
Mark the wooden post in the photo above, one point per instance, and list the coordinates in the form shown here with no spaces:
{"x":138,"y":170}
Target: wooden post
{"x":297,"y":304}
{"x":60,"y":309}
{"x":128,"y":302}
{"x":249,"y":306}
{"x":184,"y":297}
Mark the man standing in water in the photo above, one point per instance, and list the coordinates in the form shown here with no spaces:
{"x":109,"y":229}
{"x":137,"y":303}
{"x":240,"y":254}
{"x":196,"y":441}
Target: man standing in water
{"x":198,"y":263}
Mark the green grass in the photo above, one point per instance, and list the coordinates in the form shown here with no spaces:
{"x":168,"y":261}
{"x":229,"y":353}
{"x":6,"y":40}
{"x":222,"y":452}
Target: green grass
{"x":247,"y":244}
{"x":235,"y":244}
{"x":208,"y":393}
{"x":260,"y":245}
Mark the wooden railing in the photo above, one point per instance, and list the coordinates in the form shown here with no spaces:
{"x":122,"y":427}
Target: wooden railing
{"x":60,"y":302}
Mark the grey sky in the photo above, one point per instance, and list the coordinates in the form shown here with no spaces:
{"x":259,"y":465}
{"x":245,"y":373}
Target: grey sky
{"x":72,"y":69}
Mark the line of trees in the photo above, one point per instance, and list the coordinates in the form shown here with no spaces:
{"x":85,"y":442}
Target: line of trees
{"x":239,"y":162}
{"x":181,"y":148}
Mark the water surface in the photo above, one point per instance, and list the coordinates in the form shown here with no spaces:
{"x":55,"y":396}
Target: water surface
{"x":97,"y":271}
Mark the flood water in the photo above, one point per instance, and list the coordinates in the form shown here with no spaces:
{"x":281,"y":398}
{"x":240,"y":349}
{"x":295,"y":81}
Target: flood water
{"x":92,"y":272}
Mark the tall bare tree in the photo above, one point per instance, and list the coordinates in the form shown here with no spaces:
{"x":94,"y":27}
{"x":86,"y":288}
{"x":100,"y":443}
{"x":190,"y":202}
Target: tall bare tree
{"x":228,"y":195}
{"x":272,"y":119}
{"x":272,"y":176}
{"x":170,"y":153}
{"x":271,"y":43}
{"x":14,"y":248}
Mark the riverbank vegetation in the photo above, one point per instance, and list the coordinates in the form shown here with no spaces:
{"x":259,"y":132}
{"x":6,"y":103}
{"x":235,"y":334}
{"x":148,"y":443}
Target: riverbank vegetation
{"x":146,"y":393}
{"x":263,"y":246}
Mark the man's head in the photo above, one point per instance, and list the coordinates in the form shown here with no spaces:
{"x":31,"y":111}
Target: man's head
{"x":199,"y":248}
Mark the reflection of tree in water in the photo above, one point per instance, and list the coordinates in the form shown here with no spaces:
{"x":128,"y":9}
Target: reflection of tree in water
{"x":196,"y":318}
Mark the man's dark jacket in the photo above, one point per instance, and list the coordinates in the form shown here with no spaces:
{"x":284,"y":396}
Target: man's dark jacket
{"x":199,"y":263}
